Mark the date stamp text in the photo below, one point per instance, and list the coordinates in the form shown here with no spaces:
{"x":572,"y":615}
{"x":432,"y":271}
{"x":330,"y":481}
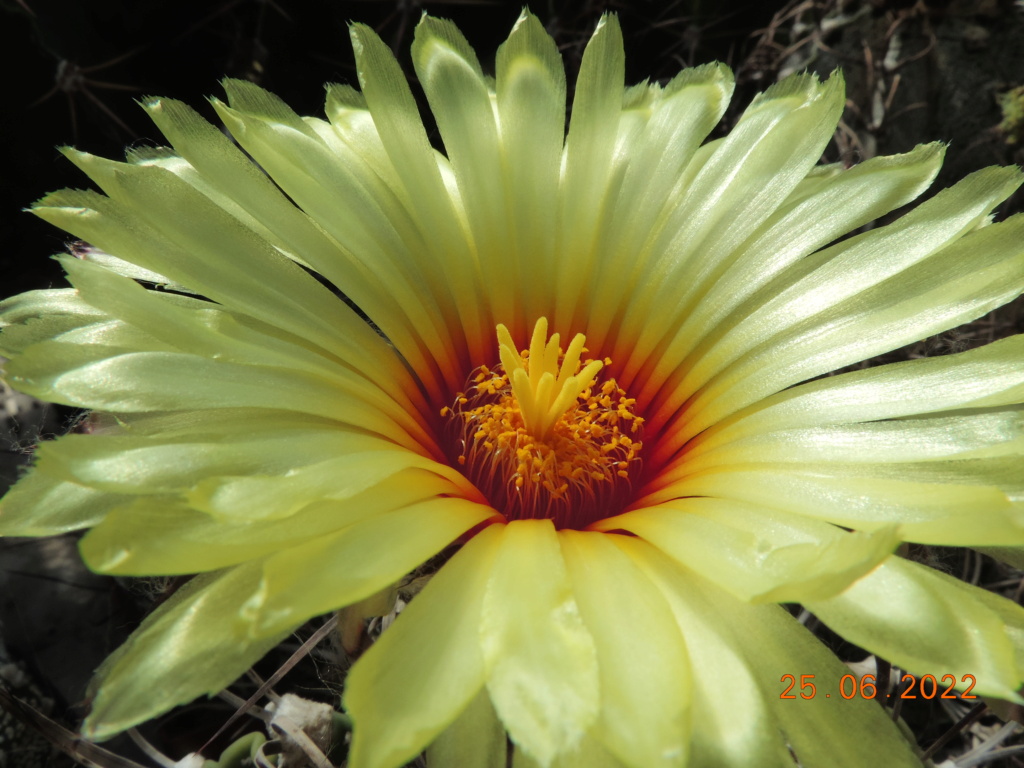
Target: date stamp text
{"x":866,"y":687}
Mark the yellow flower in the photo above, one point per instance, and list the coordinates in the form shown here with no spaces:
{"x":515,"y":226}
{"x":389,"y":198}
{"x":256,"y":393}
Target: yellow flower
{"x":632,"y":504}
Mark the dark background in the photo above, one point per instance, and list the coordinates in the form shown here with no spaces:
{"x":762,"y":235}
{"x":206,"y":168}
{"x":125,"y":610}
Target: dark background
{"x":953,"y":59}
{"x":182,"y":49}
{"x":916,"y":72}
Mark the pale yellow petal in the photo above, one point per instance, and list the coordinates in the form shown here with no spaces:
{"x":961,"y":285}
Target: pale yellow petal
{"x":756,"y":553}
{"x":445,"y":256}
{"x":805,"y":222}
{"x":427,"y":667}
{"x":164,"y":535}
{"x":981,"y":434}
{"x":40,"y":504}
{"x":645,"y":697}
{"x":191,"y":645}
{"x":777,"y":141}
{"x":589,"y":146}
{"x":930,"y":623}
{"x":353,"y":205}
{"x":658,"y":164}
{"x":475,"y":740}
{"x":541,"y":661}
{"x":461,"y":101}
{"x":988,"y":376}
{"x":530,"y":99}
{"x":732,"y":726}
{"x":343,"y":567}
{"x":927,"y":512}
{"x":820,"y":730}
{"x":590,"y":753}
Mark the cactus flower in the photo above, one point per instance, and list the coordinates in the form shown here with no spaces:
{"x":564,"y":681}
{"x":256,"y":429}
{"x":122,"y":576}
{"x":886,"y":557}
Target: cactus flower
{"x":591,"y":359}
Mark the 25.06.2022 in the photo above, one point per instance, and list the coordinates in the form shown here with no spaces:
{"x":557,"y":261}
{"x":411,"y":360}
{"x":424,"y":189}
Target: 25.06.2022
{"x":866,"y":687}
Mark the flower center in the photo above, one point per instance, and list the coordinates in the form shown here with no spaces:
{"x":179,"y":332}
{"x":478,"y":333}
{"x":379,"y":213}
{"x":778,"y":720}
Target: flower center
{"x":543,"y":437}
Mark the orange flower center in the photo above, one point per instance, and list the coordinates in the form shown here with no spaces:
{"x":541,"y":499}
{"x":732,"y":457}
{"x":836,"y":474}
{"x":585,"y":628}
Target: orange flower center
{"x":542,"y":436}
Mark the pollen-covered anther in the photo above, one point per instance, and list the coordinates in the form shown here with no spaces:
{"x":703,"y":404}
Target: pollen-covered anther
{"x":542,"y":436}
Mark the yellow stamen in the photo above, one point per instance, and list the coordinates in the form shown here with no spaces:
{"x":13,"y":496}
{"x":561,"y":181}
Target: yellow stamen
{"x":539,"y":432}
{"x":543,"y":389}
